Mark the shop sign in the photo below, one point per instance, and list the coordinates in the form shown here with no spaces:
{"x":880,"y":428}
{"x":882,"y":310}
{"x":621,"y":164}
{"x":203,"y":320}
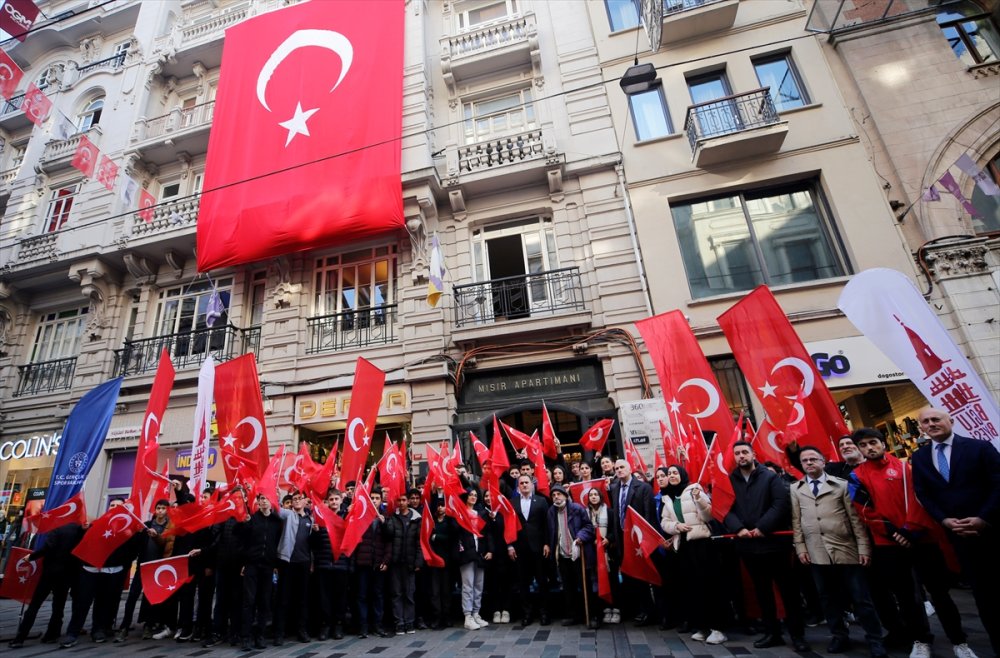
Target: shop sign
{"x":557,"y":380}
{"x":852,"y":361}
{"x":182,"y":461}
{"x":37,"y":493}
{"x":640,"y":421}
{"x":40,"y":445}
{"x":334,"y":406}
{"x":116,"y":433}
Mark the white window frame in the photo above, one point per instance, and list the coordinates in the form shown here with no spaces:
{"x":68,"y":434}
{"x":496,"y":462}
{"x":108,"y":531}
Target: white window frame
{"x":256,"y":298}
{"x":90,"y":115}
{"x":60,"y":206}
{"x":170,"y":316}
{"x":540,"y":228}
{"x":465,"y":17}
{"x":329,"y":277}
{"x":523,"y":112}
{"x":59,"y":334}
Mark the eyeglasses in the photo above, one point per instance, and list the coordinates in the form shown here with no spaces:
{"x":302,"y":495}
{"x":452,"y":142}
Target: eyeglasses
{"x":805,"y":460}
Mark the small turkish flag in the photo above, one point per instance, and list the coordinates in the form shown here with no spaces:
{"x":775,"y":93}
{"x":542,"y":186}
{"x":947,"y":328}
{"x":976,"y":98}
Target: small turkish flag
{"x":641,"y":539}
{"x":21,"y":576}
{"x":534,"y":451}
{"x":10,"y":75}
{"x":329,"y":520}
{"x":360,"y":516}
{"x":578,"y":491}
{"x":511,"y":523}
{"x":632,"y":456}
{"x":107,"y":533}
{"x":36,"y":105}
{"x":301,"y":471}
{"x":426,"y":530}
{"x":239,"y":411}
{"x":107,"y":173}
{"x":720,"y":464}
{"x":366,"y":397}
{"x":73,"y":510}
{"x":517,"y":438}
{"x":390,"y":470}
{"x":603,"y":577}
{"x":268,"y":483}
{"x":498,"y":451}
{"x":146,"y":203}
{"x":322,"y":480}
{"x":458,"y":510}
{"x":17,"y":17}
{"x":85,"y":157}
{"x":482,"y":452}
{"x":548,"y":435}
{"x":595,"y":437}
{"x":162,"y":578}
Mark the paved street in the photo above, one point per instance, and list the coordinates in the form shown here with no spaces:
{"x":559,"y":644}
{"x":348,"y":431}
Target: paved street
{"x":506,"y":641}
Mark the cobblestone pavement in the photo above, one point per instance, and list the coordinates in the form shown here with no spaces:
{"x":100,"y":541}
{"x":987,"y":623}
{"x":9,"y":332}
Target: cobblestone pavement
{"x":503,"y":641}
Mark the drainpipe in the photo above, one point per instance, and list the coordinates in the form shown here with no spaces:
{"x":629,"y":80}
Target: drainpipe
{"x":620,"y":169}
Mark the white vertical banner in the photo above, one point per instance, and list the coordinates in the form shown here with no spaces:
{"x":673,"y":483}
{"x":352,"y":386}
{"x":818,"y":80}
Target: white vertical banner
{"x":202,"y":427}
{"x":889,"y":310}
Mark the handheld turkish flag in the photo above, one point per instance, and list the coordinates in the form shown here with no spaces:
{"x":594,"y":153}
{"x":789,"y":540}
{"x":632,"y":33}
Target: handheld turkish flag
{"x":17,"y":17}
{"x":36,"y":105}
{"x":426,"y":530}
{"x":319,"y":86}
{"x":482,"y":452}
{"x":578,"y":491}
{"x":146,"y":203}
{"x":534,"y":451}
{"x":107,"y":533}
{"x":435,"y":473}
{"x":268,"y":482}
{"x":635,"y":461}
{"x":239,"y":469}
{"x":603,"y":577}
{"x":517,"y":438}
{"x":322,"y":480}
{"x":328,"y":519}
{"x":162,"y":578}
{"x":722,"y":462}
{"x":366,"y":397}
{"x":595,"y":437}
{"x":360,"y":516}
{"x":641,"y":539}
{"x":85,"y":157}
{"x":498,"y":451}
{"x":10,"y":75}
{"x":301,"y":471}
{"x":73,"y":510}
{"x":239,"y":411}
{"x":548,"y":435}
{"x":107,"y":173}
{"x":670,"y":451}
{"x":146,"y":455}
{"x":455,"y":508}
{"x":21,"y":576}
{"x":390,"y":472}
{"x":658,"y":461}
{"x":769,"y":446}
{"x":693,"y":448}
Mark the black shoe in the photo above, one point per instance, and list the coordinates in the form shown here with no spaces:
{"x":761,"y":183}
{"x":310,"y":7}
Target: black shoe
{"x":99,"y":637}
{"x":526,"y":621}
{"x":421,"y":626}
{"x":769,"y":640}
{"x":569,"y":621}
{"x":685,"y":627}
{"x":68,"y":641}
{"x":16,"y":643}
{"x":279,"y":641}
{"x":247,"y":645}
{"x":667,"y":625}
{"x":800,"y":645}
{"x":594,"y":624}
{"x":544,"y":619}
{"x":641,"y":620}
{"x":338,"y":632}
{"x":258,"y":643}
{"x":362,"y":634}
{"x":213,"y":640}
{"x":877,"y":650}
{"x":381,"y":632}
{"x":322,"y":637}
{"x":838,"y":644}
{"x":304,"y":637}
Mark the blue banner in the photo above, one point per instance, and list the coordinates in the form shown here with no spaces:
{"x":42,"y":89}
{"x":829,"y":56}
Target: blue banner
{"x":81,"y":441}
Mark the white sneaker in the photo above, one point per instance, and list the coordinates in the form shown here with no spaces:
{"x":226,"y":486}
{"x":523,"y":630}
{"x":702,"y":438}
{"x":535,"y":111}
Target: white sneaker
{"x":607,"y":616}
{"x":177,"y":634}
{"x":929,"y":608}
{"x":716,"y":637}
{"x":479,"y":620}
{"x":698,"y":636}
{"x":497,"y":616}
{"x":616,"y":617}
{"x":505,"y":617}
{"x":920,"y":650}
{"x":470,"y":623}
{"x":963,"y":651}
{"x":164,"y":634}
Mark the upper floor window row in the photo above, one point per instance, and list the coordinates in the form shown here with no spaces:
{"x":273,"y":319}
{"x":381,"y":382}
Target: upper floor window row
{"x":971,"y":33}
{"x":485,"y":13}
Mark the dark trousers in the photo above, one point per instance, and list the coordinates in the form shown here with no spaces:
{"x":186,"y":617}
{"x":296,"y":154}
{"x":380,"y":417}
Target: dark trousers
{"x":531,"y":567}
{"x":896,"y":595}
{"x":840,"y":585}
{"x":134,"y":595}
{"x":769,"y":569}
{"x":185,"y":607}
{"x":980,"y":561}
{"x":258,"y":586}
{"x":206,"y":593}
{"x":403,"y":584}
{"x":440,"y":587}
{"x":699,"y":569}
{"x":104,"y":592}
{"x":228,"y":596}
{"x":572,"y":581}
{"x":370,"y":588}
{"x":933,"y":574}
{"x":56,"y":584}
{"x":332,"y":586}
{"x":290,"y":602}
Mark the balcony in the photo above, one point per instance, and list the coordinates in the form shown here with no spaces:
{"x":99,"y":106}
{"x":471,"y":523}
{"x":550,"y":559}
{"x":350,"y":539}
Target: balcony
{"x":502,"y":161}
{"x":159,"y":139}
{"x":112,"y":63}
{"x":37,"y":247}
{"x":734,"y":127}
{"x":501,"y":44}
{"x":687,"y":19}
{"x":187,"y":349}
{"x":549,"y":293}
{"x":45,"y":377}
{"x":7,"y":180}
{"x":177,"y":215}
{"x":12,"y":117}
{"x":347,"y":330}
{"x":58,"y":154}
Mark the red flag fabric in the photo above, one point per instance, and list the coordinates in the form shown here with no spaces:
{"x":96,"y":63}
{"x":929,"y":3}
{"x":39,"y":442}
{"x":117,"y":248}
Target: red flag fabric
{"x":670,"y":451}
{"x":517,"y":438}
{"x":268,"y":483}
{"x":548,"y":435}
{"x":302,"y":469}
{"x":578,"y":490}
{"x":239,"y":411}
{"x":73,"y":510}
{"x":319,"y":86}
{"x":603,"y":577}
{"x":498,"y":451}
{"x":595,"y":437}
{"x":390,"y":471}
{"x":17,"y":17}
{"x":36,"y":105}
{"x":161,"y":579}
{"x":21,"y":576}
{"x":455,"y":508}
{"x":769,"y":446}
{"x":777,"y":366}
{"x":11,"y":75}
{"x":658,"y":460}
{"x":231,"y":505}
{"x":511,"y":523}
{"x":324,"y":478}
{"x":107,"y":173}
{"x":632,"y":456}
{"x":146,"y":203}
{"x":426,"y":530}
{"x":435,"y":474}
{"x":145,"y":462}
{"x":694,"y":449}
{"x":534,"y":450}
{"x":86,"y":156}
{"x":331,"y":521}
{"x":366,"y":396}
{"x":482,"y":452}
{"x":240,"y":470}
{"x":641,"y":539}
{"x":722,"y":464}
{"x":689,"y":386}
{"x":107,"y":533}
{"x":360,"y":516}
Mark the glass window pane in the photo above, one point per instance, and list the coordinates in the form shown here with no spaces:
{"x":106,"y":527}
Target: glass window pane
{"x":778,"y":76}
{"x":984,"y":38}
{"x":649,"y":111}
{"x":622,"y":14}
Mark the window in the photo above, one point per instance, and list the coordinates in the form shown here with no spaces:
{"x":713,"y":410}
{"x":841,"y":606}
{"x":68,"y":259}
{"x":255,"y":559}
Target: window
{"x":181,"y":313}
{"x":17,"y":155}
{"x":622,"y":14}
{"x":649,"y":114}
{"x":509,"y":114}
{"x":714,"y":118}
{"x":777,"y":73}
{"x":91,"y":114}
{"x":59,"y":207}
{"x":199,"y":180}
{"x":970,"y":32}
{"x":169,"y":191}
{"x":58,"y":335}
{"x":988,"y":206}
{"x":776,"y":236}
{"x":356,"y":280}
{"x":187,"y":111}
{"x":122,"y":48}
{"x":258,"y":287}
{"x":487,"y":13}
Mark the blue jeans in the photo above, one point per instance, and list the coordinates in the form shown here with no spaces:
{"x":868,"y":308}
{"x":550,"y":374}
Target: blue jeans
{"x":371,"y":585}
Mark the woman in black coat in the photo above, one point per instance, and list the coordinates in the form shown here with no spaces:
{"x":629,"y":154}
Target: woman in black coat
{"x":471,"y":554}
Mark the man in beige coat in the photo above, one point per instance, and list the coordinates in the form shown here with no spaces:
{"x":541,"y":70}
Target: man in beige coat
{"x":829,"y":535}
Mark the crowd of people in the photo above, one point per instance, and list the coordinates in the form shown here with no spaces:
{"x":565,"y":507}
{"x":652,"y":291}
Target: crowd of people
{"x":867,"y":539}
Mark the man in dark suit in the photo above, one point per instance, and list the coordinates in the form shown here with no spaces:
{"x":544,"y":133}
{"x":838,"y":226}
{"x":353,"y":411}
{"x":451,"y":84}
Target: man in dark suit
{"x":627,"y":491}
{"x":958,"y":482}
{"x":530,"y":550}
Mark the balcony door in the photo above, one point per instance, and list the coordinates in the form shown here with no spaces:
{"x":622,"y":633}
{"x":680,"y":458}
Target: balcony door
{"x":719,"y":118}
{"x":514,"y":258}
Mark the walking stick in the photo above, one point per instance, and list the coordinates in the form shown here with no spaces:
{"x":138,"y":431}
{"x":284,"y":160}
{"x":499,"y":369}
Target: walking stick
{"x":586,"y":586}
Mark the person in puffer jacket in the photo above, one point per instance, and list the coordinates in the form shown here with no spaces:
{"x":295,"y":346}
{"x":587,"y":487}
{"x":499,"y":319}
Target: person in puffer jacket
{"x":368,"y":561}
{"x":330,"y":576}
{"x":403,"y":559}
{"x":260,"y":535}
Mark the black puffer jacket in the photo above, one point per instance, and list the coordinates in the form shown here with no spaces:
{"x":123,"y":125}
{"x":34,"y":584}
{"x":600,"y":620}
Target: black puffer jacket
{"x":229,"y":544}
{"x":260,"y":536}
{"x":322,"y":552}
{"x":403,"y":540}
{"x":370,"y":551}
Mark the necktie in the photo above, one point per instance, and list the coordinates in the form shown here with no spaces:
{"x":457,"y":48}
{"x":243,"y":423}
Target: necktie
{"x":621,"y":504}
{"x":943,"y":462}
{"x":815,"y":488}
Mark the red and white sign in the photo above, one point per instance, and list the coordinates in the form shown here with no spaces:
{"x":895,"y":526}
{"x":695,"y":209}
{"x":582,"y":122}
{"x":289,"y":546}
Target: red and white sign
{"x":85,"y":157}
{"x":10,"y":75}
{"x":202,"y":427}
{"x":17,"y":17}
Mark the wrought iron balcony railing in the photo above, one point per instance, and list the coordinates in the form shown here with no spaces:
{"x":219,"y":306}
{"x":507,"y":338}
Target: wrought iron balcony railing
{"x":514,"y":297}
{"x":114,"y":62}
{"x":13,"y":105}
{"x":187,"y":349}
{"x":45,"y":377}
{"x":671,"y":7}
{"x":488,"y":37}
{"x":374,"y":325}
{"x":729,"y":115}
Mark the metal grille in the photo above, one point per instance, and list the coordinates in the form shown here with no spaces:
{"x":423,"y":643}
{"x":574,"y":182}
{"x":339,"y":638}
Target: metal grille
{"x":341,"y":331}
{"x":186,"y":349}
{"x":729,"y":115}
{"x":515,"y":297}
{"x":45,"y":377}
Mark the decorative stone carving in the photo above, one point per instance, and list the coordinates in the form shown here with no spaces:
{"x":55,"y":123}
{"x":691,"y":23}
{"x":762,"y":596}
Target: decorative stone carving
{"x":140,"y":269}
{"x":90,"y":48}
{"x":285,"y":290}
{"x":175,"y":261}
{"x":956,"y":260}
{"x":98,"y":284}
{"x":6,"y":329}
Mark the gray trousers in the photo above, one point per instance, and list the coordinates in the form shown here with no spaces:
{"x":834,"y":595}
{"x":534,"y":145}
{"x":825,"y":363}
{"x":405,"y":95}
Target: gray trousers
{"x":472,"y":587}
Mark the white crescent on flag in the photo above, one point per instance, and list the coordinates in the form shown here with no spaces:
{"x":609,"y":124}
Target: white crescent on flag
{"x":71,"y":509}
{"x":808,"y":380}
{"x":258,"y":432}
{"x":351,"y":431}
{"x":168,"y":569}
{"x":713,"y":396}
{"x":151,"y":418}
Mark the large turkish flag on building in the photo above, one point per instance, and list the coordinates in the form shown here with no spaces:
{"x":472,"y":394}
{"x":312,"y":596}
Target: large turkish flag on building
{"x":305,"y":144}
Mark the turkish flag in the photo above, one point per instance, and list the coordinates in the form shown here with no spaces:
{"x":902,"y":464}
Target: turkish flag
{"x":426,"y":530}
{"x":435,"y":474}
{"x":328,"y":519}
{"x":319,"y":86}
{"x":17,"y":17}
{"x":517,"y":438}
{"x":632,"y":456}
{"x":360,"y":516}
{"x":641,"y":539}
{"x":694,"y":450}
{"x":321,"y":481}
{"x":721,"y":463}
{"x":603,"y":577}
{"x":534,"y":451}
{"x":299,"y":475}
{"x":777,"y":366}
{"x":146,"y":203}
{"x":73,"y":510}
{"x":658,"y":461}
{"x":268,"y":482}
{"x":36,"y":105}
{"x":107,"y":173}
{"x":458,"y":510}
{"x":85,"y":157}
{"x":193,"y":517}
{"x":548,"y":435}
{"x":239,"y":469}
{"x":511,"y":522}
{"x":390,"y":471}
{"x":670,"y":447}
{"x":146,"y":455}
{"x":162,"y":578}
{"x":482,"y":452}
{"x":578,"y":491}
{"x":10,"y":75}
{"x":769,"y":446}
{"x":366,"y":397}
{"x":689,"y":386}
{"x":21,"y":576}
{"x":239,"y":411}
{"x":498,"y":451}
{"x":107,"y":533}
{"x":595,"y":437}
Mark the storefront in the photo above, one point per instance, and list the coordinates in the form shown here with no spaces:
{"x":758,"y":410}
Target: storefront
{"x":26,"y":463}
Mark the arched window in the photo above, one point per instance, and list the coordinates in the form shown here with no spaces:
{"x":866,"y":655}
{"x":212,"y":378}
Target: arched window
{"x":971,"y":33}
{"x":91,"y":114}
{"x":988,"y":205}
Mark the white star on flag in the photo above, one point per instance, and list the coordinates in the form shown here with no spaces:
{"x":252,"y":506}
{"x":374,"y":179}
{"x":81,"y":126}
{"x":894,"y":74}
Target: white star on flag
{"x":768,"y":390}
{"x":297,"y":124}
{"x":675,"y":406}
{"x":229,"y":440}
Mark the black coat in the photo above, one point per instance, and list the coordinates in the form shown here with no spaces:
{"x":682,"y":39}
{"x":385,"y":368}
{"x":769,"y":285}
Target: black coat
{"x":444,"y":537}
{"x":763,"y":503}
{"x":468,"y":550}
{"x":534,"y":531}
{"x":639,"y":497}
{"x":322,"y":553}
{"x":403,"y":540}
{"x":228,"y":542}
{"x":57,"y":551}
{"x":370,"y":551}
{"x":973,"y":488}
{"x":260,"y":536}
